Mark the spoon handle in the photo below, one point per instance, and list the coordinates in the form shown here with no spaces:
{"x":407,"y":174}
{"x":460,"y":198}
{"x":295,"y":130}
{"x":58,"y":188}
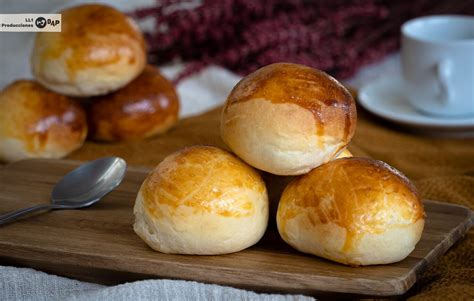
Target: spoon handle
{"x":8,"y":217}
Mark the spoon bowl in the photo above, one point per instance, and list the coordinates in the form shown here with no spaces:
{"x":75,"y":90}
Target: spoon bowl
{"x":82,"y":187}
{"x":88,"y":183}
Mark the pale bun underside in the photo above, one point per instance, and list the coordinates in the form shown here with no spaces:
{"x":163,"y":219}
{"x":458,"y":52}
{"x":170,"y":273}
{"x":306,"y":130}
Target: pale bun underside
{"x":200,"y":233}
{"x":328,"y":240}
{"x":12,"y":149}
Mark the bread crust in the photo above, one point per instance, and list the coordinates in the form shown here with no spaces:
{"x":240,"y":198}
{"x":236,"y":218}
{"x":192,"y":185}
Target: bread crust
{"x":38,"y":123}
{"x":201,"y":200}
{"x":287,"y":119}
{"x":98,"y":50}
{"x":147,"y":106}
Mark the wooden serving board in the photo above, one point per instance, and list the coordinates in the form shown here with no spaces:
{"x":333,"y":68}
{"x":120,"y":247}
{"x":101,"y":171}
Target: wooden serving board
{"x":98,"y":244}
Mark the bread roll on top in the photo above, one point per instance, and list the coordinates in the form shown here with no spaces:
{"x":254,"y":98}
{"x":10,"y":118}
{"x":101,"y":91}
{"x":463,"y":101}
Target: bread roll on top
{"x":147,"y":106}
{"x":38,"y":123}
{"x":99,"y":50}
{"x":354,"y":211}
{"x":287,"y":119}
{"x":201,"y":200}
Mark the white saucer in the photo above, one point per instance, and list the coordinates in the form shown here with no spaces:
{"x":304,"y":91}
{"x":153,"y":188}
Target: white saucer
{"x":384,"y":98}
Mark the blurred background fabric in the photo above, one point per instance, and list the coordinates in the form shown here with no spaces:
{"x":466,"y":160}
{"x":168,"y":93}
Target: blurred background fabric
{"x":338,"y":37}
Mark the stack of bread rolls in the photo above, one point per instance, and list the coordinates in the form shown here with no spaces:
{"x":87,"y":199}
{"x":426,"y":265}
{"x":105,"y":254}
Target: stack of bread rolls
{"x":293,"y":123}
{"x":95,"y":67}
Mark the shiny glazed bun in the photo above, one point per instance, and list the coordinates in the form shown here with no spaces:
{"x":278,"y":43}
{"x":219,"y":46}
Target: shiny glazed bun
{"x":145,"y":107}
{"x":287,"y":119}
{"x":38,"y":123}
{"x":355,"y":211}
{"x":201,"y":200}
{"x":99,"y":50}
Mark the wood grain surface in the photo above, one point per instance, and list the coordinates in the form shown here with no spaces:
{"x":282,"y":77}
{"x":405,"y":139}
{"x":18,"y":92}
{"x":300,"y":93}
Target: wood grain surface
{"x":98,"y":244}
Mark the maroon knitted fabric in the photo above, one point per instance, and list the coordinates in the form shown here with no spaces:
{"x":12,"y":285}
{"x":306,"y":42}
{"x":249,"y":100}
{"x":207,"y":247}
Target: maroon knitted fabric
{"x":338,"y":36}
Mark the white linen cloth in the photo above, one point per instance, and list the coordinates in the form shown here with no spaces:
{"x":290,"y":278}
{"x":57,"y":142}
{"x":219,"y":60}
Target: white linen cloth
{"x":198,"y":94}
{"x":28,"y":284}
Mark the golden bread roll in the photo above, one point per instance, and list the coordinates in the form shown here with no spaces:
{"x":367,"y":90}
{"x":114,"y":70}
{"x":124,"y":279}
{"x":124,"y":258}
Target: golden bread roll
{"x":355,"y":211}
{"x":201,"y":200}
{"x":147,"y":106}
{"x":99,"y":50}
{"x":38,"y":123}
{"x":287,"y":119}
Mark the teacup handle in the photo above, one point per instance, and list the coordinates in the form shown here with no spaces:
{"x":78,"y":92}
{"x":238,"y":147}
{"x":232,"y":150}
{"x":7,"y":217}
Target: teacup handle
{"x":444,"y":71}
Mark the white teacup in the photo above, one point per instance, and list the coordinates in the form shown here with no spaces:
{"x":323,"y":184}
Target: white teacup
{"x":437,"y":59}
